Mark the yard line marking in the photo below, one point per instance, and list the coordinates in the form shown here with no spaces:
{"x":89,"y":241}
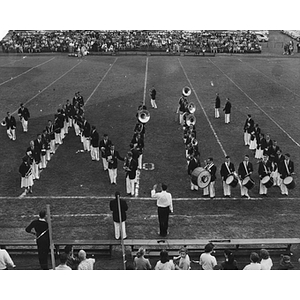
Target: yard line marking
{"x":12,"y":62}
{"x":48,"y":86}
{"x":138,"y":172}
{"x":210,"y":124}
{"x":290,"y":137}
{"x":100,"y":81}
{"x":145,"y":198}
{"x":26,"y":71}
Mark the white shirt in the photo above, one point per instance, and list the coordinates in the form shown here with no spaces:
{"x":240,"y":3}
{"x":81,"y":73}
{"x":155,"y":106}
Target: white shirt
{"x":5,"y":260}
{"x":253,"y":266}
{"x":207,"y":261}
{"x":63,"y":267}
{"x":266,"y":264}
{"x":87,"y":264}
{"x":164,"y":199}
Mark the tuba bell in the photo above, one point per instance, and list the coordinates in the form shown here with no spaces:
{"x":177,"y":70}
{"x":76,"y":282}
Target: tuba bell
{"x":143,"y":116}
{"x":190,"y":120}
{"x":186,"y":91}
{"x":191,"y":107}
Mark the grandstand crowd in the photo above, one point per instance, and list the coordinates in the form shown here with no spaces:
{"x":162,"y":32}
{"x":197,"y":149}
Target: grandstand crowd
{"x":217,"y":41}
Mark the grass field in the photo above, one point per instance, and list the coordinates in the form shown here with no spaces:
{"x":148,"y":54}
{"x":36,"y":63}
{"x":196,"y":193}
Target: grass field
{"x":266,"y":86}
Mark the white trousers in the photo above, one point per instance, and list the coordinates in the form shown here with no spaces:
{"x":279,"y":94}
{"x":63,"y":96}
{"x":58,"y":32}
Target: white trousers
{"x":35,"y":170}
{"x":24,"y":125}
{"x":262,"y":189}
{"x":58,"y":138}
{"x":284,"y":190}
{"x":62,"y":133}
{"x":194,"y":187}
{"x":210,"y":190}
{"x":11,"y":133}
{"x":181,"y":118}
{"x":247,"y":138}
{"x":153,"y":103}
{"x":70,"y":122}
{"x":244,"y":191}
{"x":66,"y":127}
{"x":52,"y":146}
{"x":95,"y":153}
{"x":76,"y":128}
{"x":140,"y":161}
{"x":130,"y":186}
{"x":105,"y":163}
{"x":217,"y":113}
{"x":226,"y":189}
{"x":112,"y":173}
{"x":227,"y":118}
{"x":48,"y":154}
{"x":276,"y":177}
{"x":43,"y":161}
{"x":86,"y":143}
{"x":117,"y":230}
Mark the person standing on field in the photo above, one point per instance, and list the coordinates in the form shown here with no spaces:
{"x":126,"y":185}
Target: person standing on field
{"x":24,"y":116}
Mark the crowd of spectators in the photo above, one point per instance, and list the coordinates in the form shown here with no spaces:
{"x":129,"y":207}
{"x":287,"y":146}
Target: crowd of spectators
{"x":174,"y":41}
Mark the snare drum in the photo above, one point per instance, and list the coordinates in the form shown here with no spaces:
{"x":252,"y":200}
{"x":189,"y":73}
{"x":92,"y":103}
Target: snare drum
{"x":289,"y":182}
{"x":201,"y":177}
{"x":248,"y":183}
{"x":232,"y":180}
{"x":267,"y":181}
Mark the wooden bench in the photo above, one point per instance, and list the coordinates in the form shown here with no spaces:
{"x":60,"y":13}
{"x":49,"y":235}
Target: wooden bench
{"x":195,"y":247}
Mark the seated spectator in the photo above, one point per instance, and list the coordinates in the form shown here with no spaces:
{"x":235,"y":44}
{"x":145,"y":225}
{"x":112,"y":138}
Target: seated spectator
{"x":164,"y":263}
{"x":72,"y":261}
{"x":182,"y":262}
{"x":63,"y":257}
{"x":85,"y":263}
{"x":5,"y":259}
{"x":285,"y":263}
{"x":229,"y":263}
{"x":266,"y":261}
{"x":254,"y":262}
{"x":140,"y":262}
{"x":207,"y":261}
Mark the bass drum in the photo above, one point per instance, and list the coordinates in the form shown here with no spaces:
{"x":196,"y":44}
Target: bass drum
{"x":248,"y":183}
{"x":201,"y":177}
{"x":289,"y":182}
{"x":267,"y":181}
{"x":232,"y":180}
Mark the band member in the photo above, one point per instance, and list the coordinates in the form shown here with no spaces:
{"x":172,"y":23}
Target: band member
{"x":62,"y":117}
{"x":272,"y":151}
{"x":278,"y":159}
{"x":192,"y":165}
{"x":212,"y":169}
{"x":46,"y":144}
{"x":38,"y":144}
{"x":70,"y":111}
{"x":268,"y":143}
{"x":134,"y":151}
{"x":80,"y":100}
{"x":140,"y":128}
{"x":35,"y":158}
{"x":24,"y":116}
{"x":182,"y":108}
{"x":57,"y":129}
{"x":26,"y":172}
{"x":95,"y":144}
{"x":130,"y":166}
{"x":264,"y":169}
{"x":112,"y":158}
{"x":86,"y":135}
{"x":248,"y":129}
{"x":285,"y":169}
{"x":138,"y":143}
{"x":104,"y":147}
{"x":227,"y":168}
{"x":217,"y":106}
{"x":254,"y":136}
{"x":78,"y":120}
{"x":261,"y":144}
{"x":10,"y":123}
{"x":227,"y":110}
{"x":152,"y":97}
{"x":50,"y":132}
{"x":245,"y":169}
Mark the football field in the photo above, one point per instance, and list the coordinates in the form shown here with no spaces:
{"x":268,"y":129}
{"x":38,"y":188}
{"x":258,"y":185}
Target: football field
{"x":77,"y":188}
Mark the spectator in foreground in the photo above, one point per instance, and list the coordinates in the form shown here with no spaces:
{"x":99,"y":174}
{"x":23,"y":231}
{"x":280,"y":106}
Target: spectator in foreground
{"x":164,"y":263}
{"x":266,"y":261}
{"x":254,"y":262}
{"x":229,"y":263}
{"x":285,"y":263}
{"x":72,"y":261}
{"x":207,"y":261}
{"x":5,"y":259}
{"x":140,"y":262}
{"x":63,"y":262}
{"x":85,"y":263}
{"x":182,"y":262}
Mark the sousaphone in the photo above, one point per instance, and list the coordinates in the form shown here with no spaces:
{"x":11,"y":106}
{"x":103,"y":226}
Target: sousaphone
{"x":186,"y":91}
{"x":143,"y":116}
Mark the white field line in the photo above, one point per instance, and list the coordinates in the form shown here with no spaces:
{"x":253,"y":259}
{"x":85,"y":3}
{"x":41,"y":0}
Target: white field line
{"x":289,"y":136}
{"x":210,"y":124}
{"x":100,"y":81}
{"x":138,"y":173}
{"x":44,"y":89}
{"x":145,"y":198}
{"x":12,"y":62}
{"x":26,"y":71}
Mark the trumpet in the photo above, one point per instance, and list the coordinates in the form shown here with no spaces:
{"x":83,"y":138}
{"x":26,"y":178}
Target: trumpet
{"x":186,"y":91}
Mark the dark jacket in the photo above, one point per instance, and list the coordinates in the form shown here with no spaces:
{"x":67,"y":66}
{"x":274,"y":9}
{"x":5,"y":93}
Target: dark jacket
{"x":113,"y":163}
{"x":113,"y":205}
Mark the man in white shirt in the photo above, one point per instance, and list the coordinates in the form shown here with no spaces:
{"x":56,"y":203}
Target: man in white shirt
{"x":5,"y":260}
{"x":254,"y":264}
{"x":207,"y":261}
{"x":164,"y":208}
{"x":63,"y":262}
{"x":85,"y":263}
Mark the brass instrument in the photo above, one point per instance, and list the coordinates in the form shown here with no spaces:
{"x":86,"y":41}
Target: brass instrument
{"x":190,"y":119}
{"x":3,"y":123}
{"x":186,"y":91}
{"x":143,"y":116}
{"x":125,"y":167}
{"x":191,"y":107}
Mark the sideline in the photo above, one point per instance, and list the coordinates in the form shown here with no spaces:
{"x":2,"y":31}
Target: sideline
{"x":256,"y":104}
{"x":209,"y":122}
{"x":27,"y":71}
